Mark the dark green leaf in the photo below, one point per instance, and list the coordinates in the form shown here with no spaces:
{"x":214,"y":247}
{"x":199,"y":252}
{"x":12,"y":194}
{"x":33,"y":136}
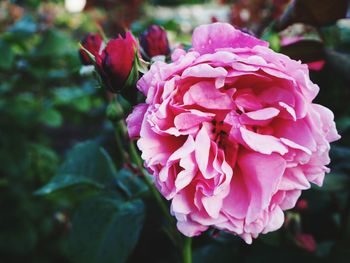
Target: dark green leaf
{"x":313,"y":12}
{"x":78,"y":98}
{"x":25,"y":26}
{"x":258,"y":253}
{"x":7,"y":55}
{"x":215,"y":253}
{"x":324,"y":248}
{"x":304,"y":50}
{"x":86,"y":164}
{"x":336,"y":182}
{"x":340,"y":62}
{"x":105,"y":230}
{"x":115,"y":112}
{"x":18,"y":238}
{"x":343,"y":124}
{"x":337,"y":36}
{"x":272,"y":238}
{"x":51,"y":118}
{"x":54,"y":43}
{"x":130,"y":183}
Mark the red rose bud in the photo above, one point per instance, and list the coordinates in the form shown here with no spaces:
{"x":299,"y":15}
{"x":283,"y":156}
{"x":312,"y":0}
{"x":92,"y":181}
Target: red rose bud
{"x":92,"y":43}
{"x":154,"y":41}
{"x":316,"y":65}
{"x":214,"y":19}
{"x":302,"y":205}
{"x":306,"y":242}
{"x":117,"y":62}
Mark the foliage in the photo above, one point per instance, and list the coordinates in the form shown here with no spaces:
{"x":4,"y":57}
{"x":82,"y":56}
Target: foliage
{"x":44,"y":105}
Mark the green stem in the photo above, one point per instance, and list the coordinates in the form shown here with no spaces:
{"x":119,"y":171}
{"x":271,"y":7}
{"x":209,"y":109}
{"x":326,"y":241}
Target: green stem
{"x":121,"y":153}
{"x":173,"y":233}
{"x":345,"y":217}
{"x":135,"y":157}
{"x":187,"y":250}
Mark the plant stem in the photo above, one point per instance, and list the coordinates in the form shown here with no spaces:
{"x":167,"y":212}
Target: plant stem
{"x":187,"y":250}
{"x":174,"y":235}
{"x":345,"y":217}
{"x":119,"y":142}
{"x":135,"y":157}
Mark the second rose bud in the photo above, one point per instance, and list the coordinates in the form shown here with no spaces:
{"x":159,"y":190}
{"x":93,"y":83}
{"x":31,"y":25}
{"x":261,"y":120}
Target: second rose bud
{"x":154,"y":41}
{"x":119,"y":61}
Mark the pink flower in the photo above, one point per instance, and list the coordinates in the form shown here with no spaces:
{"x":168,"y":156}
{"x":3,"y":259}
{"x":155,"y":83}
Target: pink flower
{"x":230,"y":133}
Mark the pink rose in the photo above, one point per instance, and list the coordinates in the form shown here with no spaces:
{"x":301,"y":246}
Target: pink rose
{"x":230,"y":133}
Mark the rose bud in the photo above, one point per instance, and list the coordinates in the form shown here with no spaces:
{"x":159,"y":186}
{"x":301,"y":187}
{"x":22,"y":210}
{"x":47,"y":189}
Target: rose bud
{"x":302,"y":205}
{"x":92,"y":43}
{"x":117,"y":62}
{"x":306,"y":242}
{"x":154,"y":41}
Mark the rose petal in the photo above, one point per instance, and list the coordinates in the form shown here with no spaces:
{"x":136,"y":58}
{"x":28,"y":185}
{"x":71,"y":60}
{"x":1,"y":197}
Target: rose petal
{"x":134,"y":120}
{"x":260,"y":181}
{"x":206,"y":95}
{"x":208,"y":38}
{"x":265,"y":144}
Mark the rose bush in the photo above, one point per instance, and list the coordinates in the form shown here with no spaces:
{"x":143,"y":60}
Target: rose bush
{"x":230,"y":133}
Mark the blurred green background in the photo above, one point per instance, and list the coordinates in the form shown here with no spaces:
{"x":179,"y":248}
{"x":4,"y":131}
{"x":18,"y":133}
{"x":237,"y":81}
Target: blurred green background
{"x":47,"y":105}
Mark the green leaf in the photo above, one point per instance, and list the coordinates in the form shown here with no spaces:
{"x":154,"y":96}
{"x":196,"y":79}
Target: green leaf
{"x":7,"y":55}
{"x":223,"y":253}
{"x":54,"y":43}
{"x":335,"y":182}
{"x":18,"y":238}
{"x":339,"y":62}
{"x":130,"y":183}
{"x":273,"y":39}
{"x":105,"y":230}
{"x":260,"y":252}
{"x":51,"y":118}
{"x":129,"y":90}
{"x":115,"y":111}
{"x":343,"y":124}
{"x":324,"y":248}
{"x":86,"y":164}
{"x":24,"y":26}
{"x":313,"y":12}
{"x":272,"y":238}
{"x":76,"y":97}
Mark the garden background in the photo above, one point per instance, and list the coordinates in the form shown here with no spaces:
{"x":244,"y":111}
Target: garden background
{"x":55,"y":122}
